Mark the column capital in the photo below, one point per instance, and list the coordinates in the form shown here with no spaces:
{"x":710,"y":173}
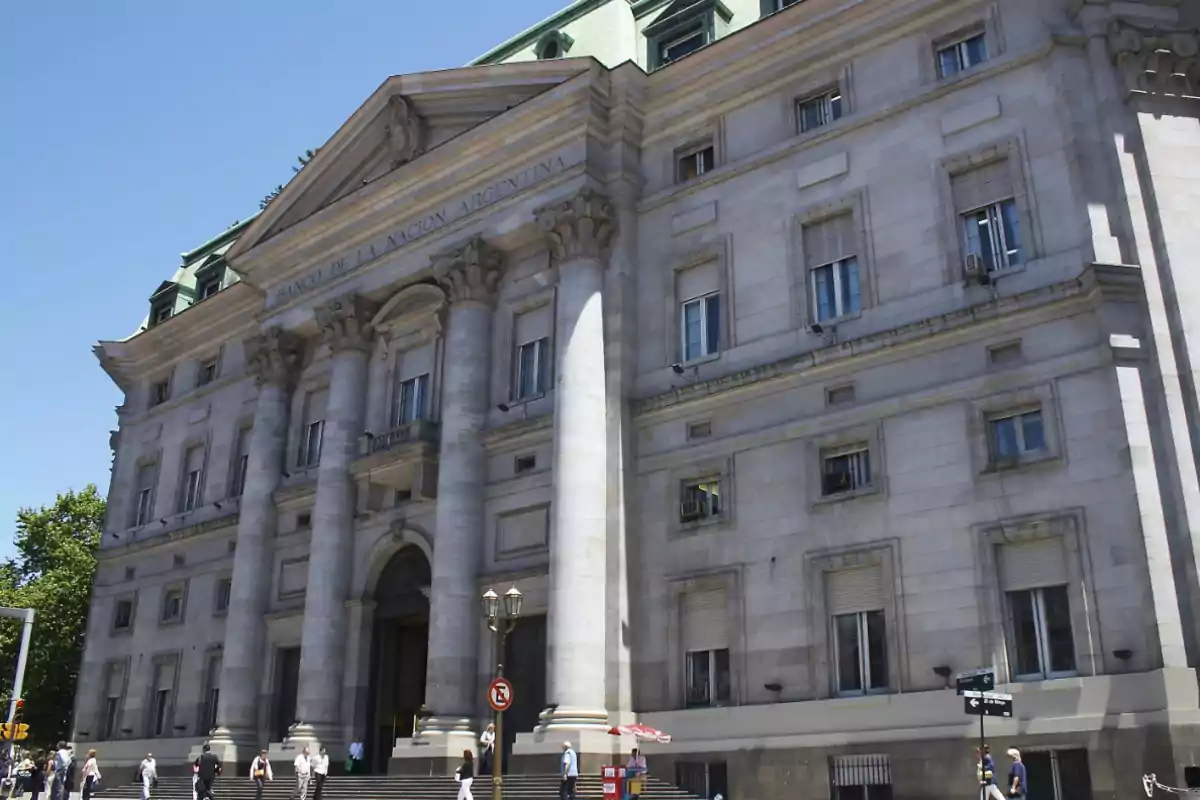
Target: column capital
{"x":273,"y":356}
{"x":581,"y":227}
{"x":346,"y":323}
{"x":470,"y":271}
{"x":1155,"y":59}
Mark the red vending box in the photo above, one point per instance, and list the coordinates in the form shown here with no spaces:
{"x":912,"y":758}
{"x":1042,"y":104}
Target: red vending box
{"x":613,"y":781}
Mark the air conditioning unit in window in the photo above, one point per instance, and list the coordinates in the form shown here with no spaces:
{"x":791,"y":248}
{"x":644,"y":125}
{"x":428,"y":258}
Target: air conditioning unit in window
{"x":975,"y":269}
{"x":690,"y":511}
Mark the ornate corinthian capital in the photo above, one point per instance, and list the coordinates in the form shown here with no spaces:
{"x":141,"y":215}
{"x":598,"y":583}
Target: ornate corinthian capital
{"x":470,"y":271}
{"x":1156,"y":60}
{"x":346,"y":323}
{"x":273,"y":356}
{"x":582,"y":227}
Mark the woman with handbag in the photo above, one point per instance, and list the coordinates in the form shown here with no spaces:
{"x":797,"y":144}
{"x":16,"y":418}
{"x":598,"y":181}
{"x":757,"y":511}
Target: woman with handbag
{"x":465,"y":775}
{"x":260,"y":773}
{"x":91,"y":776}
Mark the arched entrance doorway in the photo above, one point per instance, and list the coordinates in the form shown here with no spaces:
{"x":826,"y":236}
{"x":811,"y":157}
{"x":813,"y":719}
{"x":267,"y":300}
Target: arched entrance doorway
{"x":399,"y":645}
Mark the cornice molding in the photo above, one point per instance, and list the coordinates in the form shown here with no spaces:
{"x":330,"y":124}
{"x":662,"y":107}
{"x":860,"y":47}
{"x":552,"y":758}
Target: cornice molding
{"x":209,"y":527}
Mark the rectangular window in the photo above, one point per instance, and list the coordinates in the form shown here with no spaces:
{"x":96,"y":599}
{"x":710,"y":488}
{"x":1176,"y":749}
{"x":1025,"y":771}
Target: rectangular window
{"x":845,"y":470}
{"x":1062,"y":774}
{"x":207,"y":372}
{"x":313,"y":428}
{"x":160,"y":392}
{"x":212,"y":683}
{"x":700,"y":779}
{"x":993,"y":237}
{"x":1015,"y":435}
{"x":1042,"y":636}
{"x":162,"y":705}
{"x":694,"y":162}
{"x":700,"y":323}
{"x":241,"y":463}
{"x":707,"y":677}
{"x":193,"y":479}
{"x":860,"y":643}
{"x":209,"y":286}
{"x":819,"y":110}
{"x":860,"y":777}
{"x":674,"y":46}
{"x":831,"y":255}
{"x":411,"y":400}
{"x":700,"y":500}
{"x":840,"y":395}
{"x":112,"y":710}
{"x":224,"y":588}
{"x":123,"y":615}
{"x":961,"y":55}
{"x":160,"y":313}
{"x":533,"y":369}
{"x":523,"y":464}
{"x":172,"y":607}
{"x":144,"y":499}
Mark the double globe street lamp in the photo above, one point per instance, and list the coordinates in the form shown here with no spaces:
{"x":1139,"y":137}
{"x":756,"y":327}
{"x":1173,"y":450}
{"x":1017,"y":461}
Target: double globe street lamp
{"x":500,"y":627}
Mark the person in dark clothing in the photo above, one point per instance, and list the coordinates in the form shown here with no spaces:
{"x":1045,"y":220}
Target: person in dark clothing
{"x":37,"y":775}
{"x":209,"y":767}
{"x":70,"y":777}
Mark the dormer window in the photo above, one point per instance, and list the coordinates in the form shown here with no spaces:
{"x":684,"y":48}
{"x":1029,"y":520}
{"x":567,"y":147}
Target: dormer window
{"x":209,"y":287}
{"x":168,"y":299}
{"x":554,"y":44}
{"x":160,"y":313}
{"x":210,"y":278}
{"x":683,"y":28}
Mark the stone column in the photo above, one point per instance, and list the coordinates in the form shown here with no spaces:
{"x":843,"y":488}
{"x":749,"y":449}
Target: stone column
{"x":469,"y":274}
{"x":579,"y":233}
{"x":273,"y":357}
{"x":345,"y":326}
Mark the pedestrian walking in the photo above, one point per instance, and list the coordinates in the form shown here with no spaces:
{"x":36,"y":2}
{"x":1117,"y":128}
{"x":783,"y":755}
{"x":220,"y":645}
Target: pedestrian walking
{"x":208,"y":767}
{"x":1016,"y":774}
{"x":260,"y":773}
{"x":303,"y":767}
{"x":37,"y":774}
{"x":58,"y":772}
{"x":487,"y":750}
{"x":570,"y":773}
{"x":69,"y":776}
{"x":148,"y":775}
{"x":465,"y":775}
{"x":320,"y":769}
{"x":91,"y":775}
{"x":986,"y":769}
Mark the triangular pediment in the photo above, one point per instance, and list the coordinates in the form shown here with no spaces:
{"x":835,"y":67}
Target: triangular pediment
{"x":407,"y":117}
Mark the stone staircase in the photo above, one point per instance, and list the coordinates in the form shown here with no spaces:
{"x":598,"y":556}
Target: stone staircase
{"x":382,"y":787}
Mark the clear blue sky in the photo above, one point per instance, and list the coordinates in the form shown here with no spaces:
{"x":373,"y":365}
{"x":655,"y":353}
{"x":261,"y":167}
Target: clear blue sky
{"x":135,"y":130}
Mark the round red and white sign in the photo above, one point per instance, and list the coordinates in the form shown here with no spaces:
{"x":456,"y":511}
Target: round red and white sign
{"x":500,"y":695}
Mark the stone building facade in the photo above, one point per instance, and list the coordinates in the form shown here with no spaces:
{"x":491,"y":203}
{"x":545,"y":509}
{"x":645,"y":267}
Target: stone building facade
{"x":787,"y":360}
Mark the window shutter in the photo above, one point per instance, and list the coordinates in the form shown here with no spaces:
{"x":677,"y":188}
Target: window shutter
{"x":314,"y":406}
{"x":982,"y":186}
{"x":414,"y":362}
{"x":145,"y":479}
{"x":165,"y":678}
{"x":116,"y":679}
{"x":853,"y":590}
{"x":830,"y":240}
{"x":195,"y":458}
{"x":705,"y":621}
{"x":1042,"y":562}
{"x":696,"y":281}
{"x":534,"y":324}
{"x":214,"y":673}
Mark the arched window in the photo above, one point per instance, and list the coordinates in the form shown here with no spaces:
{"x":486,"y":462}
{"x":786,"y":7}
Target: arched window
{"x":554,"y":44}
{"x":550,"y":50}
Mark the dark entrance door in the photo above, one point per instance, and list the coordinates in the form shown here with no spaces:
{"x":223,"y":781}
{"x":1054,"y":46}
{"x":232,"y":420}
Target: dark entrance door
{"x":399,"y":647}
{"x":525,"y":668}
{"x":287,"y":683}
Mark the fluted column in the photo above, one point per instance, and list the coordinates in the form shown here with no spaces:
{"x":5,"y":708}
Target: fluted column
{"x":469,"y":274}
{"x":273,"y":357}
{"x":579,"y":233}
{"x":345,"y":326}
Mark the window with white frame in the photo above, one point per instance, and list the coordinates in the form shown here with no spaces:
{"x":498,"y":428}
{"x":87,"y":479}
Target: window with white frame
{"x":144,"y":495}
{"x":856,"y":603}
{"x":1035,"y":582}
{"x":705,"y":638}
{"x":845,"y":469}
{"x":1013,"y":436}
{"x":312,"y":432}
{"x":694,"y":161}
{"x":161,"y":313}
{"x":989,"y":217}
{"x":700,"y":323}
{"x":819,"y":110}
{"x":860,"y":777}
{"x":700,"y":500}
{"x":831,"y":249}
{"x":172,"y":605}
{"x":961,"y":55}
{"x":114,"y":692}
{"x":209,"y":283}
{"x":411,"y":400}
{"x":532,"y":355}
{"x":241,"y":462}
{"x":191,"y":497}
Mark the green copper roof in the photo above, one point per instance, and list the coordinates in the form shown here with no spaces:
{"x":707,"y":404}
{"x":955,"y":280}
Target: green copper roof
{"x":529,"y":37}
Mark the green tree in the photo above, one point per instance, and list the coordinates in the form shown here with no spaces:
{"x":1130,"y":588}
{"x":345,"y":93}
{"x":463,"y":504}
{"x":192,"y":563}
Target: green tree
{"x":52,"y":574}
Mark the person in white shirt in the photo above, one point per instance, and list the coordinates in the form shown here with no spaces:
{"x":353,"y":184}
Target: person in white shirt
{"x":91,"y":775}
{"x":570,"y":773}
{"x":487,"y":746}
{"x":320,"y":768}
{"x":149,"y":773}
{"x":303,"y":769}
{"x":260,"y":773}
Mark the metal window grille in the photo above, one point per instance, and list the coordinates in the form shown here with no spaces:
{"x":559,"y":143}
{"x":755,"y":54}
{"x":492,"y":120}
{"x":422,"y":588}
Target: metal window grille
{"x":861,"y":770}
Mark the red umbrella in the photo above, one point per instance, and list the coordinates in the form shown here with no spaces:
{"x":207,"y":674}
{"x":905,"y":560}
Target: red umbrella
{"x":643,"y":733}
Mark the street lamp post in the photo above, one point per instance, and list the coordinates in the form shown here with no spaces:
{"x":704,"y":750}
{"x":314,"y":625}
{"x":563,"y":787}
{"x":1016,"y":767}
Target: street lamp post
{"x":500,"y":627}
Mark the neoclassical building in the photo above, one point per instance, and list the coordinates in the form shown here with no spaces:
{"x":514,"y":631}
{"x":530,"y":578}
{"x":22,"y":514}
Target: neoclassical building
{"x":787,"y":360}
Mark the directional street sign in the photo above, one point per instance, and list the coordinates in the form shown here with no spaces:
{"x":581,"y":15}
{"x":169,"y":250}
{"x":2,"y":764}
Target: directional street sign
{"x":988,"y":704}
{"x":976,"y":680}
{"x":500,"y":694}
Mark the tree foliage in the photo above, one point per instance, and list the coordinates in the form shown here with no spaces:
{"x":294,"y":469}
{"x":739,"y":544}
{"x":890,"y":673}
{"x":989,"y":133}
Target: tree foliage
{"x":52,"y":574}
{"x":308,"y":156}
